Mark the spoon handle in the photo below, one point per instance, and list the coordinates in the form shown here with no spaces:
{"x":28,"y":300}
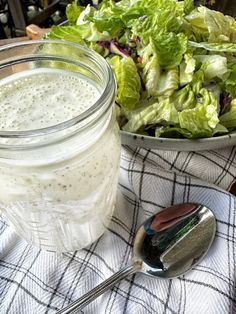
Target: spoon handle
{"x":100,"y":289}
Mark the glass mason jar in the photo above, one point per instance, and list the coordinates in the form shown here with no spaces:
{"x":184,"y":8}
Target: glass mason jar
{"x":59,"y":143}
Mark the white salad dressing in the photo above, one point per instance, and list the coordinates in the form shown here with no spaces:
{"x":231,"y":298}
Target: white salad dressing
{"x":62,"y":203}
{"x":41,"y":98}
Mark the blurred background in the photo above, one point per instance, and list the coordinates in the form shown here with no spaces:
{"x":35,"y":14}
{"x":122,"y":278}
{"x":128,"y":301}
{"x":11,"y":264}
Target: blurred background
{"x":15,"y":15}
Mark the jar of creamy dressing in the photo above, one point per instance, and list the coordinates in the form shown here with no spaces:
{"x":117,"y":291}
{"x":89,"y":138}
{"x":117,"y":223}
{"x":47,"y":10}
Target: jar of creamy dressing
{"x":59,"y":143}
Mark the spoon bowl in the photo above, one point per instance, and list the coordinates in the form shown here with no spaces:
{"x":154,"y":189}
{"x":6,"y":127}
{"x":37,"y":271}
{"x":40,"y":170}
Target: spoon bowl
{"x":166,"y":245}
{"x":172,"y":241}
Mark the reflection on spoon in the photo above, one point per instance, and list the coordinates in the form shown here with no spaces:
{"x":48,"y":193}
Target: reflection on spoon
{"x":167,"y":245}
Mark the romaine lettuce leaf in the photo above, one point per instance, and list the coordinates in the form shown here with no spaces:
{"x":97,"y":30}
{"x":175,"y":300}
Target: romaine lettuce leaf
{"x":203,"y":118}
{"x":73,"y":12}
{"x":179,"y":8}
{"x":128,"y":81}
{"x":77,"y":33}
{"x":177,"y":132}
{"x":155,"y":113}
{"x":70,"y":33}
{"x":184,"y":98}
{"x":86,"y":15}
{"x":175,"y":6}
{"x":125,"y":10}
{"x":170,"y":48}
{"x":168,"y":82}
{"x":151,"y":69}
{"x":188,"y":6}
{"x":216,"y":47}
{"x":220,"y":130}
{"x":186,"y":69}
{"x":87,"y":29}
{"x":150,"y":26}
{"x":112,"y":25}
{"x":158,"y":82}
{"x":216,"y":24}
{"x":228,"y":119}
{"x":89,"y":32}
{"x":198,"y":79}
{"x":230,"y":83}
{"x":172,"y":132}
{"x":216,"y":66}
{"x":103,"y":20}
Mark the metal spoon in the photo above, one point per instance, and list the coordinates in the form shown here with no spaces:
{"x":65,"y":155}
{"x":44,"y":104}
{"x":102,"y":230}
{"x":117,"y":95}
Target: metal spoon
{"x":166,"y":245}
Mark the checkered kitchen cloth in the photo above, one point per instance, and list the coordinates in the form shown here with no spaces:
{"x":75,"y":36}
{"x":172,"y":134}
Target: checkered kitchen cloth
{"x":33,"y":281}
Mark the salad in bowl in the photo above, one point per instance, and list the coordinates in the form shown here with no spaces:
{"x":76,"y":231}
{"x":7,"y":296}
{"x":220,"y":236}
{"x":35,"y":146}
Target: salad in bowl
{"x":174,"y":63}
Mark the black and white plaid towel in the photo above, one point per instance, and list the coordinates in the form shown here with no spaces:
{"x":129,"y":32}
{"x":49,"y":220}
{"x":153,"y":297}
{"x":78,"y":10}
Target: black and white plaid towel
{"x":34,"y":281}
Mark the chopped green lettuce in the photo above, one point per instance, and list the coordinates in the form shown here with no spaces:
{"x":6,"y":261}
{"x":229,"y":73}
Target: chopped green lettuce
{"x":170,"y":48}
{"x":203,"y":118}
{"x":128,"y":81}
{"x":156,"y":113}
{"x":82,"y":34}
{"x":70,"y":33}
{"x":174,"y":63}
{"x":186,"y":69}
{"x":230,"y":83}
{"x":73,"y":12}
{"x":216,"y":47}
{"x":216,"y":66}
{"x":184,"y":98}
{"x":168,"y":82}
{"x":150,"y":26}
{"x":151,"y":69}
{"x":228,"y":119}
{"x":213,"y":23}
{"x":188,"y":6}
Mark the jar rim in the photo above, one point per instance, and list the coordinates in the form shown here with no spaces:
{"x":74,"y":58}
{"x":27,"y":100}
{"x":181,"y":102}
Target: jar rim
{"x":107,"y":96}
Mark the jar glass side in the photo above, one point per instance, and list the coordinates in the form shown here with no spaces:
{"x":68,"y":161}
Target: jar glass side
{"x":65,"y":205}
{"x":59,"y":182}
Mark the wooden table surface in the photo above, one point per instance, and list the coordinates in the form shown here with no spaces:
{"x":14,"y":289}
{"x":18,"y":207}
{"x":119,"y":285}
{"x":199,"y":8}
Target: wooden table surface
{"x":12,"y":40}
